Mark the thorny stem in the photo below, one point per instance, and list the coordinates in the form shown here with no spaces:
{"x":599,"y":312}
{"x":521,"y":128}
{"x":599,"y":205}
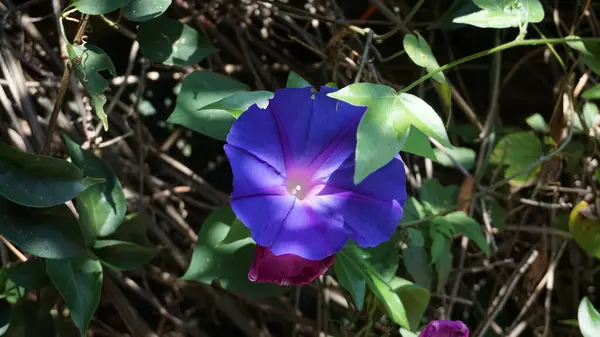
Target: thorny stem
{"x":64,"y":83}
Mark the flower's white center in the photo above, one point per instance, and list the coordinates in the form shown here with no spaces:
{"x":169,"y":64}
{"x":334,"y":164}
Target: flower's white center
{"x":298,"y":185}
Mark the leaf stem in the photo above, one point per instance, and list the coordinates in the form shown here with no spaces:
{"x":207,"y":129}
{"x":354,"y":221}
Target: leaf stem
{"x":64,"y":84}
{"x":508,"y":45}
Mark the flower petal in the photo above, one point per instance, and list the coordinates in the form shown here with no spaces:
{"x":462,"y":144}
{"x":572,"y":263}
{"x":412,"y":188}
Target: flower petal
{"x":310,"y":231}
{"x":286,"y":269}
{"x":315,"y":125}
{"x":372,"y":209}
{"x":252,"y":176}
{"x":444,"y":328}
{"x":257,"y":132}
{"x":263,"y":215}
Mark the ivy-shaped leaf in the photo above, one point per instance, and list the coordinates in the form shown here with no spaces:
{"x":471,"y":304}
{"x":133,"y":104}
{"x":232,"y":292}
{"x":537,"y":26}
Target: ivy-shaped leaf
{"x":198,"y":90}
{"x":144,"y":10}
{"x":79,"y":282}
{"x":171,"y":42}
{"x":97,"y":7}
{"x":88,"y":60}
{"x":504,"y":13}
{"x":517,"y":151}
{"x":383,"y":130}
{"x":101,"y":207}
{"x":39,"y":181}
{"x":420,"y":53}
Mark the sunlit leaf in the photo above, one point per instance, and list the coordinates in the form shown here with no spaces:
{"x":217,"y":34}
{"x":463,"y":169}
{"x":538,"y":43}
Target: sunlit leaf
{"x":171,"y":42}
{"x":537,"y":123}
{"x":88,"y":61}
{"x":504,"y":13}
{"x":589,"y":52}
{"x":386,"y":124}
{"x":237,"y":103}
{"x":200,"y":89}
{"x":238,"y":231}
{"x":296,"y":81}
{"x":463,"y":155}
{"x":589,"y":318}
{"x":585,"y":228}
{"x":420,"y":53}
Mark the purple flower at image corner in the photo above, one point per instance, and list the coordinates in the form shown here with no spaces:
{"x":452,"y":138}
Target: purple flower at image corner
{"x":293,"y":167}
{"x":444,"y":328}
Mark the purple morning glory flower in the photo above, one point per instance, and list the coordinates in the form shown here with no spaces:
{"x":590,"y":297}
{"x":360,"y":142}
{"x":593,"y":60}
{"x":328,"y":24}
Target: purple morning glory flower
{"x":445,"y":329}
{"x":293,"y":167}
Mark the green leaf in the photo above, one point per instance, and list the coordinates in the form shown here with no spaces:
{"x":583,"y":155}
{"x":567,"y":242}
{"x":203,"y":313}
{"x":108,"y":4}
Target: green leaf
{"x":413,"y":210}
{"x":414,"y":298}
{"x":171,"y":42}
{"x":463,"y":155}
{"x":386,"y":124}
{"x":237,"y":103}
{"x":296,"y":81}
{"x":30,"y":274}
{"x":88,"y":61}
{"x":51,"y":233}
{"x":101,"y":207}
{"x":592,"y":93}
{"x":589,"y":52}
{"x":467,"y":226}
{"x":384,"y":257}
{"x":438,"y":246}
{"x":198,"y":90}
{"x":497,"y":213}
{"x":504,"y":13}
{"x":420,"y":53}
{"x":591,"y":117}
{"x":418,"y":143}
{"x":97,"y":7}
{"x":585,"y":228}
{"x":144,"y":10}
{"x":350,"y":278}
{"x":38,"y":181}
{"x":517,"y":151}
{"x":227,"y":263}
{"x":537,"y":123}
{"x":122,"y":255}
{"x":79,"y":282}
{"x":238,"y":231}
{"x":443,"y":266}
{"x":133,"y":229}
{"x":437,"y":198}
{"x":589,"y":318}
{"x":417,"y":264}
{"x":402,"y":314}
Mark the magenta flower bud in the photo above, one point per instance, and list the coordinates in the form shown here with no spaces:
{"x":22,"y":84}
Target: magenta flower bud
{"x":286,"y":269}
{"x":445,"y":329}
{"x":293,"y":187}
